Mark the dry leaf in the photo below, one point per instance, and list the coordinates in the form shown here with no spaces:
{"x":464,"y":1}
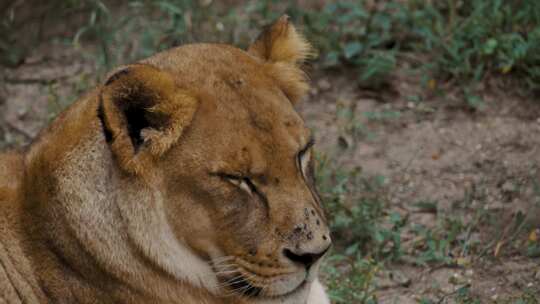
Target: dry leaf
{"x":432,"y":84}
{"x":533,"y":236}
{"x":498,"y":248}
{"x":463,"y":261}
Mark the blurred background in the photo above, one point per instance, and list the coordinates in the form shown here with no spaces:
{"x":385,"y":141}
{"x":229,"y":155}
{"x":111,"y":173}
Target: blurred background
{"x":426,"y":115}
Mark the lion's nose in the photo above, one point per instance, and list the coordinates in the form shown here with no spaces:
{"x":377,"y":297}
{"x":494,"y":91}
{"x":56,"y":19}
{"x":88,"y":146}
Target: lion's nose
{"x":304,"y":258}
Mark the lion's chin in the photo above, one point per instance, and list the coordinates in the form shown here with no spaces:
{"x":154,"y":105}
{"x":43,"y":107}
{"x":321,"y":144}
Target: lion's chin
{"x":297,"y":295}
{"x":280,"y":287}
{"x":283,"y":289}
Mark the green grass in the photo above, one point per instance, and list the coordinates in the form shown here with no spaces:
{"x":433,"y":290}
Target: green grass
{"x":451,"y":41}
{"x":462,"y":42}
{"x":368,"y":235}
{"x":355,"y":220}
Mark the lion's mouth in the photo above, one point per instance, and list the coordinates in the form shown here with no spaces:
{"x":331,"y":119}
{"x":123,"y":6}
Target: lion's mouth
{"x":238,"y":278}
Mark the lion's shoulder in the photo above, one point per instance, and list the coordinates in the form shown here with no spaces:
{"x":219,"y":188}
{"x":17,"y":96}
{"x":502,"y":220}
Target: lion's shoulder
{"x":17,"y":282}
{"x":11,"y":173}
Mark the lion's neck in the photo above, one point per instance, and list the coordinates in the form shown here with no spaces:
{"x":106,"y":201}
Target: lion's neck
{"x":99,"y":217}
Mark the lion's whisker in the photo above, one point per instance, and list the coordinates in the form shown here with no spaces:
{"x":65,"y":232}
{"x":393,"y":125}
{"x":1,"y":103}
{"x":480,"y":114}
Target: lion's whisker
{"x":221,"y":259}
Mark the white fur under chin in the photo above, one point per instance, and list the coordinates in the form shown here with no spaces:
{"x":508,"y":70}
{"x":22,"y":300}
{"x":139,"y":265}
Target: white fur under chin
{"x":316,"y":295}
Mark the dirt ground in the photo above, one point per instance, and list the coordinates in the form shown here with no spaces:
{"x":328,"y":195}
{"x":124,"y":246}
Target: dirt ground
{"x":427,"y":148}
{"x":461,"y":161}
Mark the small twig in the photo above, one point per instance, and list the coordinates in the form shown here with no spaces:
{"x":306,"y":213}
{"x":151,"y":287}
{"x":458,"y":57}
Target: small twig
{"x":409,"y":163}
{"x":443,"y":265}
{"x":503,"y":239}
{"x":494,"y":242}
{"x":470,"y":229}
{"x":19,"y":81}
{"x":42,"y":81}
{"x":19,"y":130}
{"x":452,"y":13}
{"x":519,"y":229}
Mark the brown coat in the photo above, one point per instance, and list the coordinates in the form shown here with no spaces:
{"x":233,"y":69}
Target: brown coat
{"x":185,"y":178}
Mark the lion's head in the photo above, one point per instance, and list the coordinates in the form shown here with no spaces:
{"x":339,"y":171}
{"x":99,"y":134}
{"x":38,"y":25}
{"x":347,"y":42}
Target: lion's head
{"x":213,"y":130}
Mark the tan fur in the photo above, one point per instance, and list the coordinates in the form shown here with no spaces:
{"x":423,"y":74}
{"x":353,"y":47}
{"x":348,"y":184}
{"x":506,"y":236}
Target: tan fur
{"x":138,"y":193}
{"x":284,"y":49}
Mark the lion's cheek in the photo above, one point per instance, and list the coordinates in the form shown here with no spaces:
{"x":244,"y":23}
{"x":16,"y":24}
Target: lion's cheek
{"x":193,"y":226}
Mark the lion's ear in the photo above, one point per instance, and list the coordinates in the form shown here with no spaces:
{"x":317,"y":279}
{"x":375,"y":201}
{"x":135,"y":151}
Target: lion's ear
{"x":285,"y":50}
{"x":143,"y":114}
{"x":280,"y":42}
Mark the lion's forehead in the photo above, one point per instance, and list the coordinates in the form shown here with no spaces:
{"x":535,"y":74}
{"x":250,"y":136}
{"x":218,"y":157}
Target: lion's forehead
{"x":231,"y":80}
{"x":239,"y":99}
{"x":207,"y":65}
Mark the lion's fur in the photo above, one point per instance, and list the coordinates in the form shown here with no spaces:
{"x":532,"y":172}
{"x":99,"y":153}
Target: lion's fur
{"x":108,"y":208}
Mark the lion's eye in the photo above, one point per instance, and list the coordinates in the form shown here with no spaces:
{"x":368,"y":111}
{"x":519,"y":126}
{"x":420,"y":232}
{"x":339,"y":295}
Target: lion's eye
{"x":241,"y":182}
{"x":304,"y":159}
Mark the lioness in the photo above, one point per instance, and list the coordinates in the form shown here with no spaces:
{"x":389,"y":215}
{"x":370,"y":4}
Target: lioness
{"x":184,"y":178}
